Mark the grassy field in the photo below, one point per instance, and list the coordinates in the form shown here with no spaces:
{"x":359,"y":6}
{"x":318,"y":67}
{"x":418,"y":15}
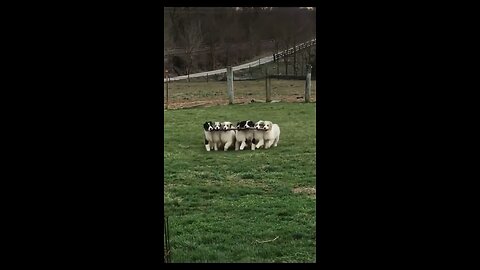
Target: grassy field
{"x":229,"y":206}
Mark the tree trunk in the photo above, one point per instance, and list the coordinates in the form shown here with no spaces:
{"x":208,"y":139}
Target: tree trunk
{"x":285,"y":60}
{"x":294,"y":58}
{"x":212,"y":54}
{"x":278,"y":61}
{"x":227,"y":56}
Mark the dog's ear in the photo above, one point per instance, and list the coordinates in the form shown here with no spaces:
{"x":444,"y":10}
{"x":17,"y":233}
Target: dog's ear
{"x":205,"y":125}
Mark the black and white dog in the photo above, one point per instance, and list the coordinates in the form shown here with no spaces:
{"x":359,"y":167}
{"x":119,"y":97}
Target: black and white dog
{"x":207,"y":130}
{"x":244,"y":135}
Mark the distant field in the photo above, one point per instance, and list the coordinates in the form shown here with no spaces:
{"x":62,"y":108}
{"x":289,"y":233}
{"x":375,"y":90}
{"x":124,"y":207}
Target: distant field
{"x":229,"y":206}
{"x":193,"y":93}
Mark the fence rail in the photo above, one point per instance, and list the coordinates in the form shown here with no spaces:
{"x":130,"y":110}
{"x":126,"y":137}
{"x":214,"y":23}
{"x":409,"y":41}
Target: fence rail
{"x":291,"y":51}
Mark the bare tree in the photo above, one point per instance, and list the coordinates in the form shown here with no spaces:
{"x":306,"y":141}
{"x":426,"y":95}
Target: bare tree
{"x":193,"y":39}
{"x":234,"y":34}
{"x":211,"y":35}
{"x":189,"y":33}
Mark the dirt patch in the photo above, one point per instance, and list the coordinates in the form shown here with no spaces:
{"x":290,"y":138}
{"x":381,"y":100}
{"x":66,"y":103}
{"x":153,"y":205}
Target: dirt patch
{"x":310,"y":192}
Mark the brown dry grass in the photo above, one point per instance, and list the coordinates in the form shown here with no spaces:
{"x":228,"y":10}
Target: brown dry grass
{"x":202,"y":94}
{"x":310,"y":192}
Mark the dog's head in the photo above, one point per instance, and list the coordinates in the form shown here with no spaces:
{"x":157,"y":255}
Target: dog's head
{"x":208,"y":126}
{"x":259,"y":124}
{"x":226,"y":125}
{"x":249,"y":124}
{"x":241,"y":124}
{"x":264,"y":125}
{"x":216,"y":126}
{"x":245,"y":124}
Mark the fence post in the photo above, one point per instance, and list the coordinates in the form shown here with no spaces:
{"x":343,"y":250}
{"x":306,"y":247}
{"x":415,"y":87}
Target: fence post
{"x":278,"y":70}
{"x":267,"y":86}
{"x":167,"y":91}
{"x":230,"y":85}
{"x":308,"y":83}
{"x":167,"y":255}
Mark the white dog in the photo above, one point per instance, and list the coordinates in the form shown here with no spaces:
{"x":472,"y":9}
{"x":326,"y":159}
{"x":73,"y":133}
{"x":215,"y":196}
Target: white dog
{"x":271,"y":134}
{"x":244,"y":135}
{"x":227,"y":135}
{"x":207,"y":129}
{"x":217,"y":143}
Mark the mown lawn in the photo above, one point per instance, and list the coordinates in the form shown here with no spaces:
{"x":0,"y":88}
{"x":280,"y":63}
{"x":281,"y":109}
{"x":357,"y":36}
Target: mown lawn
{"x":222,"y":205}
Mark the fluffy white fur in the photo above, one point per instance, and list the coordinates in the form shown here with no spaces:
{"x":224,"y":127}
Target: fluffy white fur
{"x":244,"y":137}
{"x":271,"y":134}
{"x":217,"y":143}
{"x":227,"y":136}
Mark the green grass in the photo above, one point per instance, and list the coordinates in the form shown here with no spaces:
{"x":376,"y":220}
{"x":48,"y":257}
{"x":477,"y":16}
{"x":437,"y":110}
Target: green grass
{"x":221,"y":204}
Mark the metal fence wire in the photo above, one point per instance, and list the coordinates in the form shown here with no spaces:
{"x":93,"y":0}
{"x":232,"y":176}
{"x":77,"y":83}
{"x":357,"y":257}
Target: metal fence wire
{"x":167,"y":251}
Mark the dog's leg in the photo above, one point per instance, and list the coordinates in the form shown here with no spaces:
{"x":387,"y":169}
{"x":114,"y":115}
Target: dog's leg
{"x":227,"y":145}
{"x":243,"y":145}
{"x":215,"y":146}
{"x":260,"y":143}
{"x":276,"y":142}
{"x":268,"y":144}
{"x":237,"y":145}
{"x":207,"y":144}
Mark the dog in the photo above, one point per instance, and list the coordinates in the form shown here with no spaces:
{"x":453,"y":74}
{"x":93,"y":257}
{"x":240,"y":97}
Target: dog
{"x":244,"y":135}
{"x":271,"y":134}
{"x":227,"y":135}
{"x":217,"y":143}
{"x":207,"y":130}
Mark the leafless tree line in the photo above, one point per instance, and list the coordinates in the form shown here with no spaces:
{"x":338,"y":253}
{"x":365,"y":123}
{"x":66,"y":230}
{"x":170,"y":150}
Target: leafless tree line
{"x":232,"y":35}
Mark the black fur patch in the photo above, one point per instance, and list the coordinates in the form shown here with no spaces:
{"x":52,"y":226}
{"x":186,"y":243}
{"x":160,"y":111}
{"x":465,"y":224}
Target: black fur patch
{"x":254,"y":141}
{"x":207,"y":124}
{"x":206,"y":142}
